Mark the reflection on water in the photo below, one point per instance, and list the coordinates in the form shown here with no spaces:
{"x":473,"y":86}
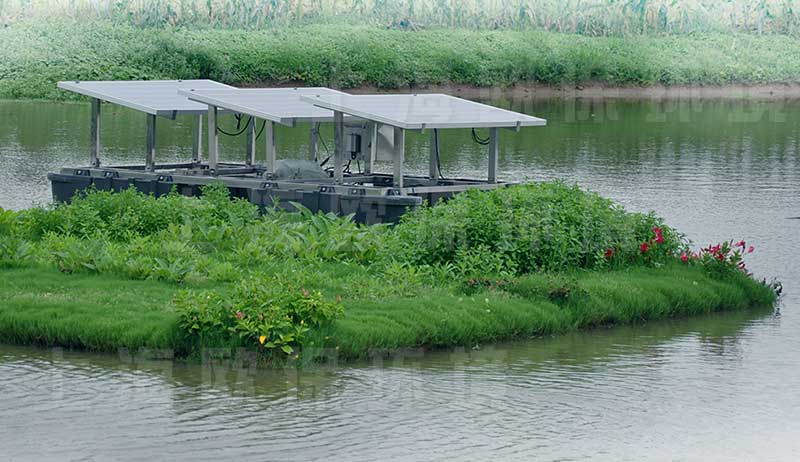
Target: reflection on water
{"x":714,"y":388}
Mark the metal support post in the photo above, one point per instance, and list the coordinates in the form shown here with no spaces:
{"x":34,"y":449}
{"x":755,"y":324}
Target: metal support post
{"x":494,"y":146}
{"x":94,"y":142}
{"x":373,"y":148}
{"x":313,"y":140}
{"x":338,"y":148}
{"x":150,"y":154}
{"x":197,"y":138}
{"x":213,"y":138}
{"x":399,"y":155}
{"x":251,"y":142}
{"x":269,"y":135}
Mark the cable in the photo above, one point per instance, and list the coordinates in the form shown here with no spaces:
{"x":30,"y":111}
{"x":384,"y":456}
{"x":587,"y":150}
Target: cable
{"x":438,"y":158}
{"x":261,"y":130}
{"x":327,"y":151}
{"x":238,"y":126}
{"x":481,"y":141}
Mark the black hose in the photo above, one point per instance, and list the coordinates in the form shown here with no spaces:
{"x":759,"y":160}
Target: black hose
{"x":481,"y":141}
{"x":438,"y":158}
{"x":261,"y":130}
{"x":238,"y":126}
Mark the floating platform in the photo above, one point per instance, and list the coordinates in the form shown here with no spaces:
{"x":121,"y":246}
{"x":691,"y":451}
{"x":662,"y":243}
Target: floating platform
{"x":366,"y":128}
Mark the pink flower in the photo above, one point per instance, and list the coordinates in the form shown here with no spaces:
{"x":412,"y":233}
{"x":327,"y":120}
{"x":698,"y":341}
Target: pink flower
{"x":684,"y":257}
{"x":239,"y":315}
{"x":750,"y":249}
{"x":739,"y":244}
{"x":659,"y":239}
{"x":644,"y":247}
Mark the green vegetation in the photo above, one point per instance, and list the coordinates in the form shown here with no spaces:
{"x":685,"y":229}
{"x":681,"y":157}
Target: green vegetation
{"x":590,"y":17}
{"x":515,"y":262}
{"x":38,"y":53}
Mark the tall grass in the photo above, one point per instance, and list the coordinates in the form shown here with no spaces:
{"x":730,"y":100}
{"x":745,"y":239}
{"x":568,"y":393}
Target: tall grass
{"x":590,"y":17}
{"x":36,"y":54}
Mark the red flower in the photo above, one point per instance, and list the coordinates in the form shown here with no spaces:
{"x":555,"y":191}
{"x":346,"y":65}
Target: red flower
{"x":684,"y":257}
{"x":659,"y":239}
{"x":644,"y":247}
{"x":739,"y":244}
{"x":239,"y":315}
{"x":609,"y":253}
{"x":750,"y":249}
{"x":720,"y":257}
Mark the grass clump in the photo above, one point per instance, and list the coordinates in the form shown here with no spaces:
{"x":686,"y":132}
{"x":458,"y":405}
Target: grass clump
{"x":518,"y":261}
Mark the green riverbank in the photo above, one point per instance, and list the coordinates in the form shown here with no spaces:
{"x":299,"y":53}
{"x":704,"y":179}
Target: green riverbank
{"x":38,"y":52}
{"x":124,"y":270}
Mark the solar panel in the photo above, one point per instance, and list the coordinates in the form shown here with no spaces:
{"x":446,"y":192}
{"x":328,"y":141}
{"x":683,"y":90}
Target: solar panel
{"x":281,"y":105}
{"x":421,"y":111}
{"x":157,"y":97}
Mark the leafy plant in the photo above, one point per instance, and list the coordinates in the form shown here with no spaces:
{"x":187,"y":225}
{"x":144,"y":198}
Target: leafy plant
{"x":270,"y":313}
{"x":522,"y":229}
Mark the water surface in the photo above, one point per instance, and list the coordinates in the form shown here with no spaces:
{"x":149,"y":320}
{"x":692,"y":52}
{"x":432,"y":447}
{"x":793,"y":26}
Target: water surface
{"x":722,"y":387}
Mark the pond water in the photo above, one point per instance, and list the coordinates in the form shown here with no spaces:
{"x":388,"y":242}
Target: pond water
{"x":722,"y":387}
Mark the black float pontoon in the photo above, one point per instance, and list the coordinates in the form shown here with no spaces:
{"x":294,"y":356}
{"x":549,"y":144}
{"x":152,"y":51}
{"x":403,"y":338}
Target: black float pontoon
{"x":366,"y":127}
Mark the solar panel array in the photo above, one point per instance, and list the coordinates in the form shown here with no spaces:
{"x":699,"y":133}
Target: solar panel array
{"x":289,"y":105}
{"x":421,"y":111}
{"x":281,"y":105}
{"x":157,"y":97}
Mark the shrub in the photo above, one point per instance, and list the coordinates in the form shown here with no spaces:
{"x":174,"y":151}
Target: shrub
{"x":270,"y":313}
{"x":527,"y":228}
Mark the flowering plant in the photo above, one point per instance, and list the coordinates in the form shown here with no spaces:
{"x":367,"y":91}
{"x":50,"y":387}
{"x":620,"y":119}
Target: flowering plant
{"x":720,"y":258}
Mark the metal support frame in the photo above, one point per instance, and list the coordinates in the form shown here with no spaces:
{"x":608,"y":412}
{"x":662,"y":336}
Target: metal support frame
{"x":369,"y":162}
{"x":399,"y":156}
{"x":251,"y":142}
{"x":94,"y":141}
{"x":494,"y":147}
{"x":150,"y":154}
{"x":213,"y":138}
{"x":338,"y":148}
{"x":197,"y":138}
{"x":269,"y":141}
{"x":433,"y":165}
{"x":313,"y":140}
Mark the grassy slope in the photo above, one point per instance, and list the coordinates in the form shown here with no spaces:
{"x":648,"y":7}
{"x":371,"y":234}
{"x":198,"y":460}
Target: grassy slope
{"x":36,"y":54}
{"x":619,"y":297}
{"x":39,"y":306}
{"x":96,"y":312}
